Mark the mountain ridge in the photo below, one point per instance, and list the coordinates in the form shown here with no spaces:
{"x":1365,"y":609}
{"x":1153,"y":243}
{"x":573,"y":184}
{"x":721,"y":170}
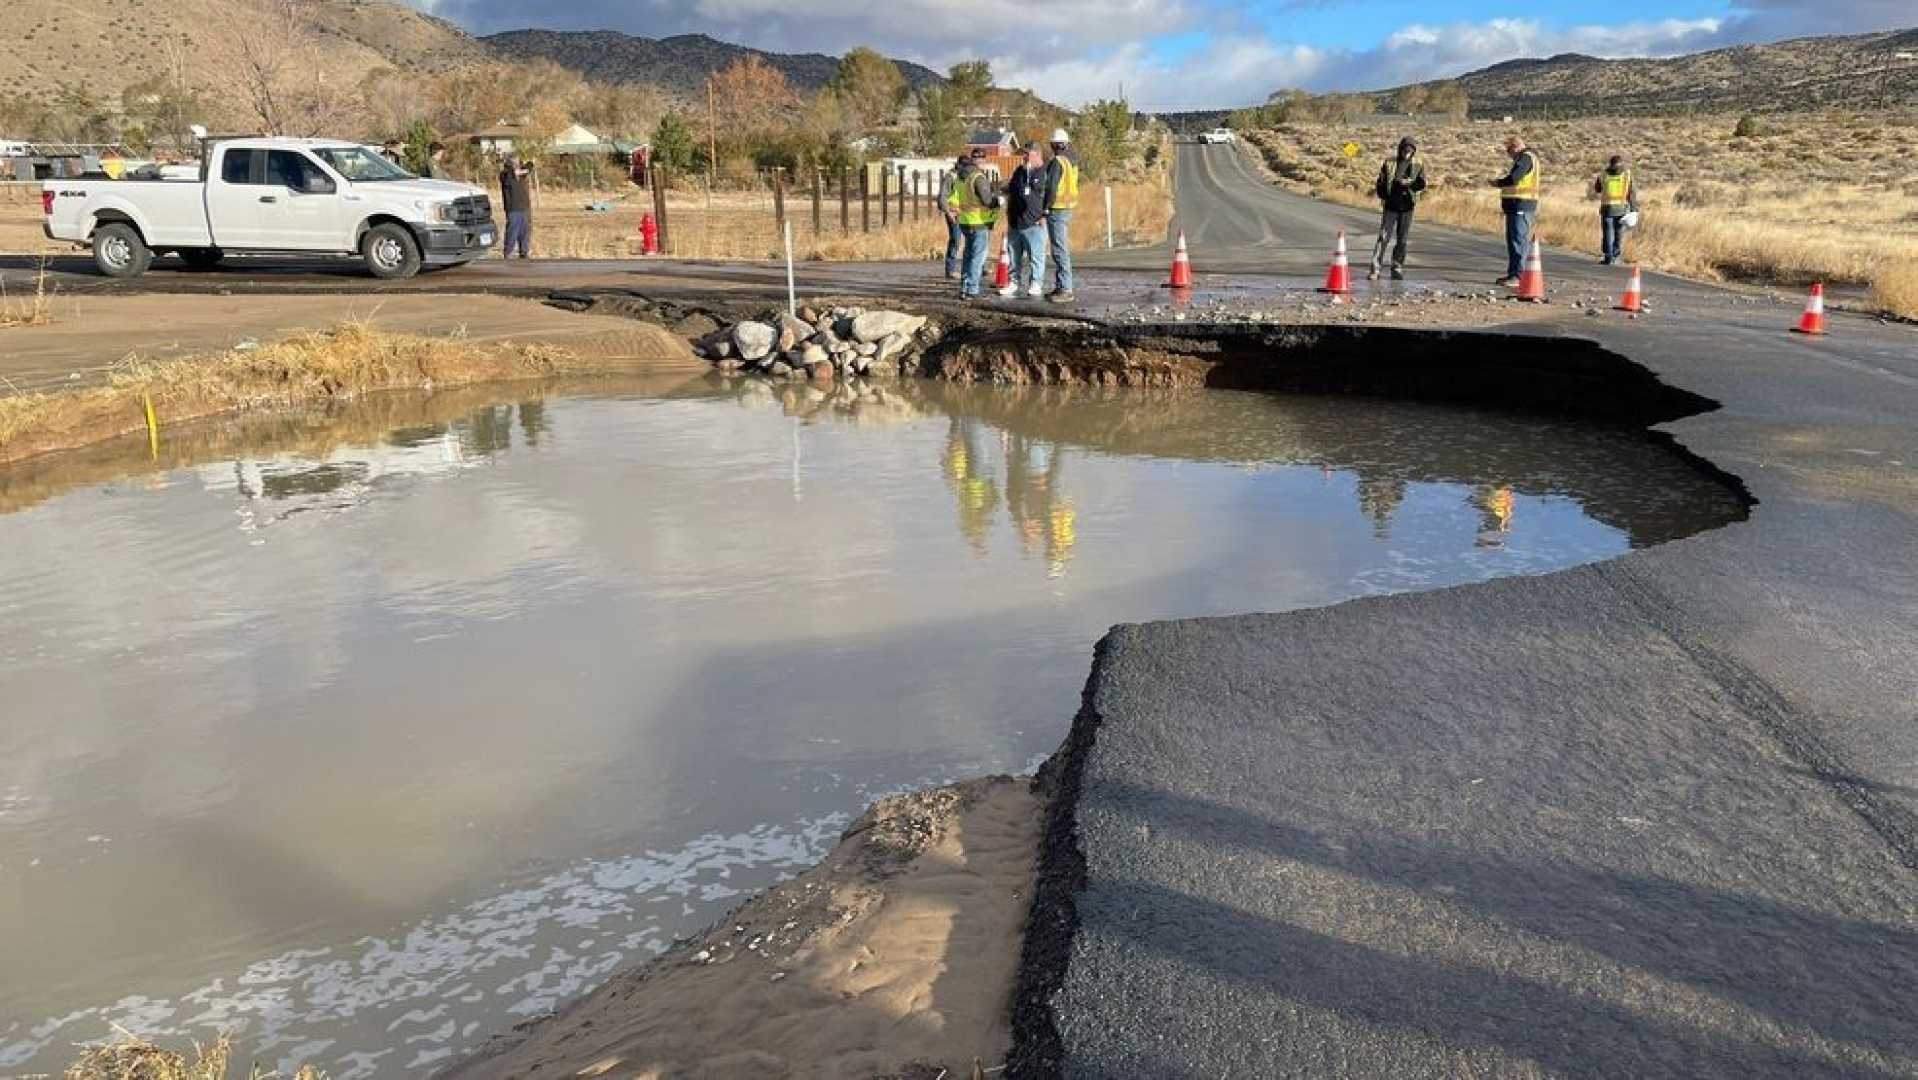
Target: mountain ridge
{"x":678,"y":65}
{"x":1827,"y":71}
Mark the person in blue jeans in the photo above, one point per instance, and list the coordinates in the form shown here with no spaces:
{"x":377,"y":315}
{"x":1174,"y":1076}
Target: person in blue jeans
{"x":1518,"y":198}
{"x":1027,"y":195}
{"x":974,"y":206}
{"x":515,"y":191}
{"x":955,"y":236}
{"x":1062,"y":175}
{"x":1617,"y":197}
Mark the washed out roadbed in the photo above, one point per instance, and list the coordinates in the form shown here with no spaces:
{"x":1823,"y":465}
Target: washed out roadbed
{"x":893,"y":958}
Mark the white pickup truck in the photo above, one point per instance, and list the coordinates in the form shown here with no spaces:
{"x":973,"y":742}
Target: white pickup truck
{"x":1218,"y":135}
{"x":273,"y":196}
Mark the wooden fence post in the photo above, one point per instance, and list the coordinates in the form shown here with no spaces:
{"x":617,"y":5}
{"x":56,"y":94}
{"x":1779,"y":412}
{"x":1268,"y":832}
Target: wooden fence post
{"x":659,"y":207}
{"x":845,"y":200}
{"x":779,"y":200}
{"x":865,"y":198}
{"x":916,"y":199}
{"x":885,"y":197}
{"x":902,"y":194}
{"x":816,"y":181}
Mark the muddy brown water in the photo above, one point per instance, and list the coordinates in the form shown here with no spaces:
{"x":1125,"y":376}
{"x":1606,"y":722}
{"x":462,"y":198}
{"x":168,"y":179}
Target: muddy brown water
{"x":369,"y":733}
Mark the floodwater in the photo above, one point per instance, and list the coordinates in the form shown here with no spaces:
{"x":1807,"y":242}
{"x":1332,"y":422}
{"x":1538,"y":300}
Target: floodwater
{"x":371,"y":733}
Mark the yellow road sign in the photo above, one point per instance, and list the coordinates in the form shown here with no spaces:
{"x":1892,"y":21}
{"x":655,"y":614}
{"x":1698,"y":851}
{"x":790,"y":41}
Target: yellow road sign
{"x":1351,"y":149}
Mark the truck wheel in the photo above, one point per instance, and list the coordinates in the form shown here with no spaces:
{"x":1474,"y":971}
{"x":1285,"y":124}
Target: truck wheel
{"x":390,"y":251}
{"x":119,"y":252}
{"x":201,"y":258}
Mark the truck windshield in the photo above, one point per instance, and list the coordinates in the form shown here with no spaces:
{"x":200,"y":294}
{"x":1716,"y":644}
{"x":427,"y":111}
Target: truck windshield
{"x":361,"y":165}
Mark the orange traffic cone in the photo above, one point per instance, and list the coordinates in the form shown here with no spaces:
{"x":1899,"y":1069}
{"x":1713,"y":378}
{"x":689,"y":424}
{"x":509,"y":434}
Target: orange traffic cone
{"x":1181,"y":267}
{"x":1338,"y":278}
{"x":1531,"y":284}
{"x":1002,"y":274}
{"x":1813,"y":320}
{"x":1632,"y":301}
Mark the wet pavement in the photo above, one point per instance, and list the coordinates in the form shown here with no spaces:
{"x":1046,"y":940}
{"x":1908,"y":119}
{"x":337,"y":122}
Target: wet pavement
{"x":1650,"y":817}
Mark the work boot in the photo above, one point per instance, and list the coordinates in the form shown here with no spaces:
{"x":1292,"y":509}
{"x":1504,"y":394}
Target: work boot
{"x":1397,"y":274}
{"x":1506,"y":281}
{"x":952,"y":275}
{"x":1063,"y":296}
{"x":1374,"y":275}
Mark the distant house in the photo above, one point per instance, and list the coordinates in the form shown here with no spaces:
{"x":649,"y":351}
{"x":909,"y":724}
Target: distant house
{"x":992,"y":142}
{"x":497,"y":140}
{"x":512,"y":138}
{"x":578,"y":140}
{"x":1000,"y":107}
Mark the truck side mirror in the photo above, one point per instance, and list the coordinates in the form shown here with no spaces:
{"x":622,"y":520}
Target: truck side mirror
{"x":317,"y":185}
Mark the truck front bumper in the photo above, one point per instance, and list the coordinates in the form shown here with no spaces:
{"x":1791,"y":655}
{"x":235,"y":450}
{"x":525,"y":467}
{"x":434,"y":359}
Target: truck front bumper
{"x":442,"y":244}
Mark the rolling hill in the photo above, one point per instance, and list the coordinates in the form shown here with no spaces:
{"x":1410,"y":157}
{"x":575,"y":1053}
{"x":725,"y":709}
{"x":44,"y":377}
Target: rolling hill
{"x":100,"y":46}
{"x":678,"y":65}
{"x":1853,"y":71}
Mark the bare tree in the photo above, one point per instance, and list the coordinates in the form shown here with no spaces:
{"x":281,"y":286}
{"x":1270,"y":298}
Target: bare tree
{"x":274,"y":66}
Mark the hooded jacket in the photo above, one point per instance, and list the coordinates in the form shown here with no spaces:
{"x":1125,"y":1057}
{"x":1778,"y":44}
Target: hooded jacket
{"x":1401,"y":198}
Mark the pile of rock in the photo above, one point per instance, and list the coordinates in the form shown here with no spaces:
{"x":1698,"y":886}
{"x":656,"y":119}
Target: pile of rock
{"x":821,"y":345}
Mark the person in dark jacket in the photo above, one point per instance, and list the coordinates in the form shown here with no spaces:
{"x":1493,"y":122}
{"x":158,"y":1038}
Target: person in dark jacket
{"x":1518,"y":198}
{"x":436,"y":162}
{"x":1617,"y":197}
{"x":516,"y":193}
{"x":1028,"y":195}
{"x":1400,"y":181}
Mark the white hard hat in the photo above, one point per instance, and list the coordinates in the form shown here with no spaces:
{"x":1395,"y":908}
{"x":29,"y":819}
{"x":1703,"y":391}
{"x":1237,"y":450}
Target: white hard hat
{"x":1059,"y":135}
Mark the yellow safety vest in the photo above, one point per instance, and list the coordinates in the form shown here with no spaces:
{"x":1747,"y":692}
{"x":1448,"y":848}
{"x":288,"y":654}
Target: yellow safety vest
{"x":1067,"y":197}
{"x":1527,"y":186}
{"x":1618,"y":189}
{"x":965,"y":203}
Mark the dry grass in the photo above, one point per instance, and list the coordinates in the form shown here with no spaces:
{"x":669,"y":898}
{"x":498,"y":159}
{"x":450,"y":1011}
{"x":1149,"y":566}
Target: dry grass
{"x":1896,"y":289}
{"x":33,"y":309}
{"x":134,"y":1058}
{"x":337,"y":364}
{"x":1819,"y":198}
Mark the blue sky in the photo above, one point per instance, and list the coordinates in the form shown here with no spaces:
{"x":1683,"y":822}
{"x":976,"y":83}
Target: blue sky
{"x":1181,"y":54}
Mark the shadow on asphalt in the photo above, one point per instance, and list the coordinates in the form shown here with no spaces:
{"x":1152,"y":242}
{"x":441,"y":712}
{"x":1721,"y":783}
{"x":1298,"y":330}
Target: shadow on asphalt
{"x":1799,"y":967}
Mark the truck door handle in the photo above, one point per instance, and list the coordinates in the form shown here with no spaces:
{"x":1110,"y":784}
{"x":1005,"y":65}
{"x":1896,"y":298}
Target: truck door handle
{"x":269,"y":198}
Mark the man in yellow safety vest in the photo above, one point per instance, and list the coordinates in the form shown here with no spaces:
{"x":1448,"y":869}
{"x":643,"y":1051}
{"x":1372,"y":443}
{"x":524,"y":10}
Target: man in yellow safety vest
{"x":1062,"y":173}
{"x":974,"y":204}
{"x":1617,"y":197}
{"x":1518,"y":198}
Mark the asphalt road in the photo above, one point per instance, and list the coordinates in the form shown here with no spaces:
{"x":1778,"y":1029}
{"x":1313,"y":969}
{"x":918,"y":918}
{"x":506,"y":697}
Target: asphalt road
{"x":1652,"y":817}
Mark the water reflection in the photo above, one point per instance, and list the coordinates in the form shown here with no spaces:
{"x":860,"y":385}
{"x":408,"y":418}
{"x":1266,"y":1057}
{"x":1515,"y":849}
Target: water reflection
{"x":511,"y":692}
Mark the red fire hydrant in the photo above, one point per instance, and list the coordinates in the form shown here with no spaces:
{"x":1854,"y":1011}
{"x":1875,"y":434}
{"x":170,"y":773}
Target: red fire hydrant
{"x":648,"y":236}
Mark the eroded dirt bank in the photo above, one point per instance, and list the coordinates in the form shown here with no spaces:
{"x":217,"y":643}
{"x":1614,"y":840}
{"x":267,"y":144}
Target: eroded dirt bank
{"x":895,"y":957}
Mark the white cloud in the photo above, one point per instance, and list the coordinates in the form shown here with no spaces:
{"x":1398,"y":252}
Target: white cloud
{"x":1235,"y":71}
{"x":1244,"y":70}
